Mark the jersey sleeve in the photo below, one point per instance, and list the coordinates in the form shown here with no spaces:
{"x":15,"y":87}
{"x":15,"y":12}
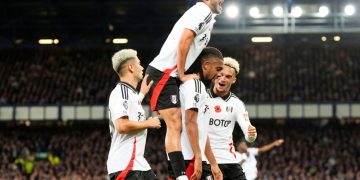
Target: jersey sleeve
{"x":196,"y":18}
{"x":240,"y":156}
{"x":118,"y":104}
{"x":242,"y":117}
{"x":192,"y":92}
{"x":253,"y":151}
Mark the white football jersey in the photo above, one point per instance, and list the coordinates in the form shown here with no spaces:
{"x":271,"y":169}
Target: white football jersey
{"x":200,"y":20}
{"x":193,"y":95}
{"x":224,"y":112}
{"x":126,"y":148}
{"x":249,"y":165}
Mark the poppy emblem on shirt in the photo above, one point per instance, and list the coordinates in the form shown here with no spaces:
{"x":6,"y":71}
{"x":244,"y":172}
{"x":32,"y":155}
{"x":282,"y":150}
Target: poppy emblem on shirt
{"x":217,"y":108}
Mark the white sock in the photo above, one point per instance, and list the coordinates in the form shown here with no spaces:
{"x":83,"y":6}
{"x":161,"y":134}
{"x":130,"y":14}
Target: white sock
{"x":183,"y":177}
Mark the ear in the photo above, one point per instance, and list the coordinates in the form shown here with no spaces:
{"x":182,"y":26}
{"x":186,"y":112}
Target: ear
{"x":205,"y":65}
{"x":233,"y":80}
{"x":130,"y":67}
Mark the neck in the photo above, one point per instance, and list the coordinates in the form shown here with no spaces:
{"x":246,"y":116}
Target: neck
{"x":130,"y":80}
{"x":220,"y":94}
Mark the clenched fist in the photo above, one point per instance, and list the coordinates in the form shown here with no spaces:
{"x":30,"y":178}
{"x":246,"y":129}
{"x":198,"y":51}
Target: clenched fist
{"x":252,"y":134}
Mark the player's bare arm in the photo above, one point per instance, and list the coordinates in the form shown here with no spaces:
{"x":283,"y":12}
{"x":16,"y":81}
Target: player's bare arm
{"x":124,"y":125}
{"x":193,"y":135}
{"x":186,"y":39}
{"x":270,"y":146}
{"x":211,"y":158}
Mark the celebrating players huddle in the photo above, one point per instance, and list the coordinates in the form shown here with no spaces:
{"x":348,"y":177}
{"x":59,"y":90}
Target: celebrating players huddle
{"x":188,"y":84}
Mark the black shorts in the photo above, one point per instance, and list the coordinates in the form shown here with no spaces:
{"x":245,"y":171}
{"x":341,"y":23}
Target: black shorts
{"x":135,"y":175}
{"x":164,"y":92}
{"x":189,"y":167}
{"x":232,"y":171}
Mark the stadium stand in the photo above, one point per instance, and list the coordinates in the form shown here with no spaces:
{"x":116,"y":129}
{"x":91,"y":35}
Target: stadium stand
{"x":313,"y":149}
{"x":269,"y":74}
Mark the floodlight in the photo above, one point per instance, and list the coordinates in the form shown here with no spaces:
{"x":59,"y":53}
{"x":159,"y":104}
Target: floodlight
{"x":232,"y":11}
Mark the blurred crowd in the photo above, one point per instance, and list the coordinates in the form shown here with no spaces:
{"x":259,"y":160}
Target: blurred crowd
{"x":298,"y":73}
{"x":55,"y":76}
{"x":268,"y":74}
{"x":313,"y":149}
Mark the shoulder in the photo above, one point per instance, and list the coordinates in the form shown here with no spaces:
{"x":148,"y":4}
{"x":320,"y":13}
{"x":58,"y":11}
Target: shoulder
{"x":200,"y":9}
{"x":236,"y":99}
{"x":125,"y":90}
{"x":193,"y":85}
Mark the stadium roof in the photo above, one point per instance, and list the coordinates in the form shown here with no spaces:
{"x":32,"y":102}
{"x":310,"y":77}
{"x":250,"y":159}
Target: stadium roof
{"x":150,"y":21}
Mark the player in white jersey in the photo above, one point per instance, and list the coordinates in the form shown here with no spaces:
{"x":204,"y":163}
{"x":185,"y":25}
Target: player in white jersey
{"x":128,"y":126}
{"x":226,"y":110}
{"x":193,"y":98}
{"x":246,"y":156}
{"x":187,"y":39}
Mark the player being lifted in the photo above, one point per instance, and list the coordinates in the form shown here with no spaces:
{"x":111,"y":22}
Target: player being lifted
{"x":189,"y":36}
{"x":226,"y":109}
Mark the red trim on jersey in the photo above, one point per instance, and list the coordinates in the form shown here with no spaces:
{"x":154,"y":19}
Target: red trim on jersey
{"x":231,"y":147}
{"x":190,"y":169}
{"x":130,"y":166}
{"x":159,"y":87}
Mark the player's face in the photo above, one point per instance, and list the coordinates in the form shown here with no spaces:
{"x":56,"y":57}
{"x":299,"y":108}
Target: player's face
{"x":216,"y":6}
{"x":212,"y":67}
{"x":137,"y":69}
{"x":225,"y":79}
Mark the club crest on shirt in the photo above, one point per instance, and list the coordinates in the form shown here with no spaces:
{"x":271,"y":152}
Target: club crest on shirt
{"x":125,"y":104}
{"x":217,"y":108}
{"x":229,"y":109}
{"x":173,"y":99}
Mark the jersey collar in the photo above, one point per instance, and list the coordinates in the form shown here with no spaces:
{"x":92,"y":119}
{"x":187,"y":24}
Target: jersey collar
{"x":128,"y":85}
{"x":213,"y":95}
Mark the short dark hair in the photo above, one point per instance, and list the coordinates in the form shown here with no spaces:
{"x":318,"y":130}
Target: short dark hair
{"x":205,"y":54}
{"x":209,"y":52}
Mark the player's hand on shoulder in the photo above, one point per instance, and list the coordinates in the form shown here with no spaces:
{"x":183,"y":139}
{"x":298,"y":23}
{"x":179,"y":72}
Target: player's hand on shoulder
{"x":154,"y":122}
{"x":252,"y":134}
{"x":145,"y":87}
{"x":186,"y":77}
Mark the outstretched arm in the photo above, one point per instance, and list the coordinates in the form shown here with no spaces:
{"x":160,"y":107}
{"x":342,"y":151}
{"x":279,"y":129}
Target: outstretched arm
{"x":270,"y":146}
